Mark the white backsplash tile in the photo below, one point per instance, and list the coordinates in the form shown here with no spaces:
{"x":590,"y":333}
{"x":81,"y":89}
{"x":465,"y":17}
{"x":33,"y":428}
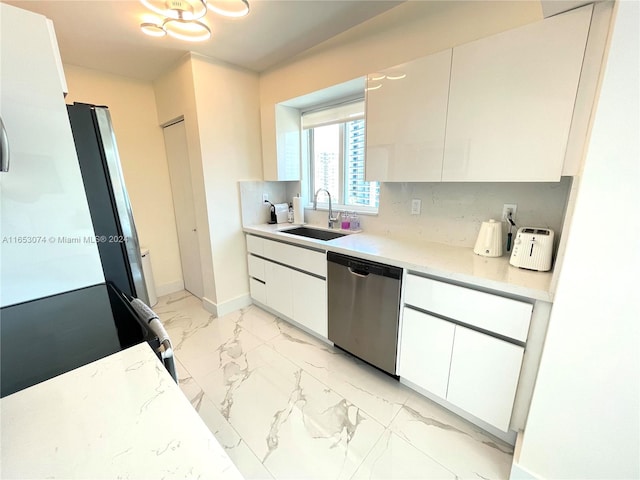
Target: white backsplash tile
{"x":451,"y":212}
{"x":254,"y":211}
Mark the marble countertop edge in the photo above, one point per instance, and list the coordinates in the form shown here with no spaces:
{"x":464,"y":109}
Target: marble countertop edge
{"x":447,"y":262}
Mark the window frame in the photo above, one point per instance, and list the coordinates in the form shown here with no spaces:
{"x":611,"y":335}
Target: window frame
{"x":309,"y":170}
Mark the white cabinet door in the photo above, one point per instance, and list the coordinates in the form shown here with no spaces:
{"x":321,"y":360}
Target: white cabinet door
{"x":511,"y":101}
{"x":425,"y":351}
{"x":310,"y":302}
{"x":484,"y":376}
{"x":406,"y":118}
{"x":279,"y":281}
{"x":281,"y":143}
{"x":258,"y":290}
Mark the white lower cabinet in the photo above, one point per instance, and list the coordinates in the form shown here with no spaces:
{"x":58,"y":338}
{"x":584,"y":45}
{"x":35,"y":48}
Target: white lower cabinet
{"x":310,"y":302}
{"x":425,"y":352}
{"x":484,"y":376}
{"x":294,"y":287}
{"x":475,"y":371}
{"x":278,"y":281}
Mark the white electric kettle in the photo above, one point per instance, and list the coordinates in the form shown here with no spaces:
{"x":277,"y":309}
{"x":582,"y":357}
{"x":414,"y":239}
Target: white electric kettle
{"x":489,"y":242}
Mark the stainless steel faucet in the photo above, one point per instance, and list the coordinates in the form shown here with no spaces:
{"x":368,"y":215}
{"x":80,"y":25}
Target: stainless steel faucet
{"x":315,"y":206}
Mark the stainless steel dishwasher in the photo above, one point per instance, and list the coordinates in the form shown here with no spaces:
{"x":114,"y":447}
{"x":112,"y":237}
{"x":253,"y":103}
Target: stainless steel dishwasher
{"x":364,"y":308}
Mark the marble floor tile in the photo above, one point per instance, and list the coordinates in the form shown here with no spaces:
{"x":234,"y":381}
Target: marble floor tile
{"x":296,"y":425}
{"x":393,"y":458}
{"x":453,"y":442}
{"x":241,"y":455}
{"x":375,"y":392}
{"x":286,"y":405}
{"x":260,"y":323}
{"x":206,"y":347}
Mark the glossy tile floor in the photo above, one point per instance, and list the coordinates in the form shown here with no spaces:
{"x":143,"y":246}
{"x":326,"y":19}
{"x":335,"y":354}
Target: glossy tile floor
{"x":287,"y":406}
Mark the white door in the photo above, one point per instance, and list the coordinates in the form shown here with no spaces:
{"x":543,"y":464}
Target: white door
{"x":175,"y":140}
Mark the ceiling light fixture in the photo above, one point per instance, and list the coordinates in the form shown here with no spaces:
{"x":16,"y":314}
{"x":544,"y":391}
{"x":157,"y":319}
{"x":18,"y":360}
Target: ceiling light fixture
{"x":153,"y":29}
{"x":229,"y":8}
{"x":182,"y":17}
{"x":376,"y":76}
{"x":180,"y":9}
{"x":398,"y":76}
{"x":189,"y":30}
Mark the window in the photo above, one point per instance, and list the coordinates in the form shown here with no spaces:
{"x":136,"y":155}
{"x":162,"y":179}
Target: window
{"x":335,"y":138}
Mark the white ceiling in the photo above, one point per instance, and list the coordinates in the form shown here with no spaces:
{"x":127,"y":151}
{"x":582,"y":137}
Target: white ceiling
{"x":105,"y":34}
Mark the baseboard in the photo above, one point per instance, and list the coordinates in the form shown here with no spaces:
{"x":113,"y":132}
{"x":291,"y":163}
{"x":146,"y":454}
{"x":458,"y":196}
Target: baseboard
{"x":209,"y":306}
{"x":171,"y":287}
{"x":520,"y":473}
{"x":223,"y":308}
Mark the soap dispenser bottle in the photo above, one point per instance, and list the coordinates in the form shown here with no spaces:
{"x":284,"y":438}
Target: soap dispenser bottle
{"x":290,"y":213}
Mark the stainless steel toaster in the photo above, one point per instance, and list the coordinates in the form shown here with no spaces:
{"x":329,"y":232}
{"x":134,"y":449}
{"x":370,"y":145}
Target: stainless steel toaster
{"x":533,"y":249}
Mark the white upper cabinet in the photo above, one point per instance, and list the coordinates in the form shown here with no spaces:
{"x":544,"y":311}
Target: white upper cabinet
{"x":406,"y":112}
{"x":511,"y":101}
{"x":281,"y":143}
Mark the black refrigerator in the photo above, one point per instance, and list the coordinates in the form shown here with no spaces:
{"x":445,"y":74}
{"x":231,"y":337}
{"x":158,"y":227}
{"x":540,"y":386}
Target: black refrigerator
{"x":111,"y":214}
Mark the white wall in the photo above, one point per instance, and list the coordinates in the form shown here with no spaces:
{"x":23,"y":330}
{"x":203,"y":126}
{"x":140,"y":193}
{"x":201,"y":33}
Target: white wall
{"x":175,"y":98}
{"x":141,"y":146}
{"x":228,"y":112}
{"x":585,"y":413}
{"x":453,"y":212}
{"x":409,"y":31}
{"x":221,"y":110}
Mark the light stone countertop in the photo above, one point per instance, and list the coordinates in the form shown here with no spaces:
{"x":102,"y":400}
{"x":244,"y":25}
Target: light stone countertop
{"x":454,"y":264}
{"x":119,"y":417}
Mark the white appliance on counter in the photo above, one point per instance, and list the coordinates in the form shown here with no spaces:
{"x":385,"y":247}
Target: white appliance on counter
{"x":533,"y":249}
{"x":489,"y":242}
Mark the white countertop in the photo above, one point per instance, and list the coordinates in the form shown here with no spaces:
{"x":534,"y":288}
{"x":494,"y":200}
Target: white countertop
{"x":456,"y":264}
{"x":119,"y":417}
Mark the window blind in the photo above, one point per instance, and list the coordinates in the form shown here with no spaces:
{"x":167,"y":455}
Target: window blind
{"x":336,"y":114}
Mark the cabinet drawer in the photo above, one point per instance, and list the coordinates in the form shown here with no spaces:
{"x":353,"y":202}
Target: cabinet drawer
{"x":258,"y":291}
{"x":496,"y":314}
{"x":255,"y":244}
{"x":256,"y":267}
{"x":297,"y":257}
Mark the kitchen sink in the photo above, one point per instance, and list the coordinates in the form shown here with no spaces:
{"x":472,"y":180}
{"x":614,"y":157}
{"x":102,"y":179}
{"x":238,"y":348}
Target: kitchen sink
{"x":314,"y":233}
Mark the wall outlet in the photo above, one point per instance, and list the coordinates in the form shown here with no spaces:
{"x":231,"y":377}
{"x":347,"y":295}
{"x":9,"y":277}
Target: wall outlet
{"x":416,"y":206}
{"x":509,"y":208}
{"x":265,"y":197}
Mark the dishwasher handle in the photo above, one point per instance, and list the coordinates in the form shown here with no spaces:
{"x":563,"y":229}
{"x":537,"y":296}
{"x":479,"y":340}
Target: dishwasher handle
{"x":361,"y":274}
{"x":363,"y":268}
